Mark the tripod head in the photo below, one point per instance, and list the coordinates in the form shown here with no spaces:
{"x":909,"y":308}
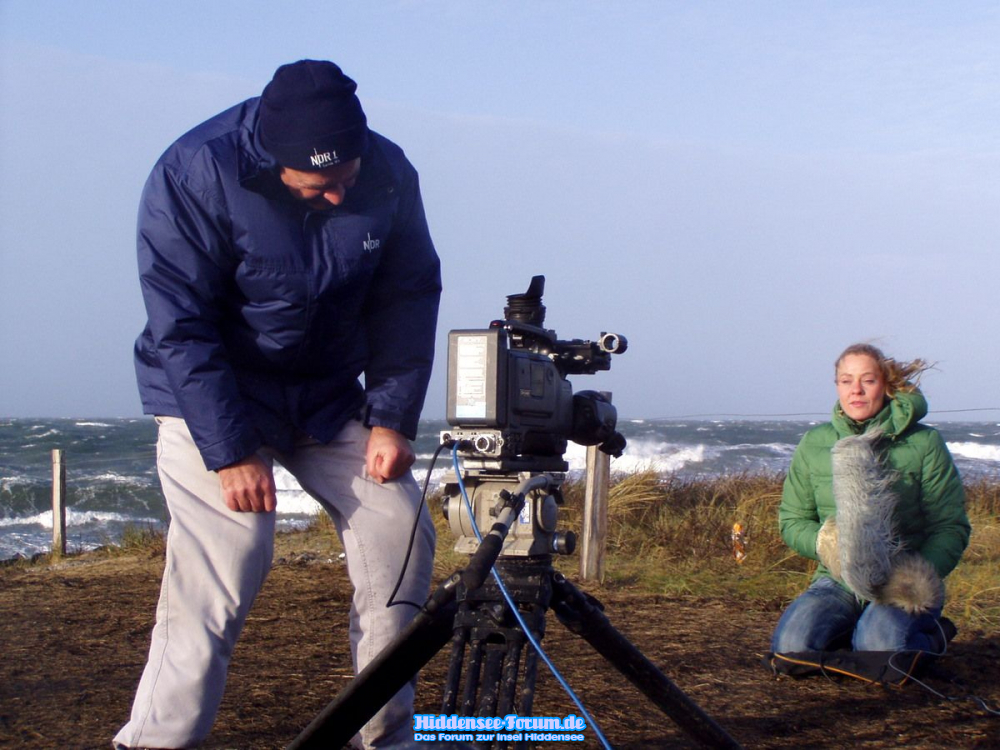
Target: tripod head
{"x":534,"y":533}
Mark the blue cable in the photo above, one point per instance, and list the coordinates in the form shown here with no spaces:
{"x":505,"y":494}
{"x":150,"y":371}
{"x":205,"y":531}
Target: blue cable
{"x":513,"y":607}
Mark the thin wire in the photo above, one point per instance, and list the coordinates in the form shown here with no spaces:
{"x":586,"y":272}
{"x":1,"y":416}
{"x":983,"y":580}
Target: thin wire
{"x":955,"y":411}
{"x":724,"y":414}
{"x":932,"y":691}
{"x":413,"y":535}
{"x":908,"y":675}
{"x":513,"y":607}
{"x":811,"y":413}
{"x":951,"y":698}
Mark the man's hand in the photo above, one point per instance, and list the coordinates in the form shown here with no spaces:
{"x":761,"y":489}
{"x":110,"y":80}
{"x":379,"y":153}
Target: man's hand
{"x":248,"y":486}
{"x":389,"y":454}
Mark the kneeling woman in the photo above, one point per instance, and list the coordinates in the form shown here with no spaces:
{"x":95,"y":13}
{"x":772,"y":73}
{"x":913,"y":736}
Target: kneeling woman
{"x":875,"y":497}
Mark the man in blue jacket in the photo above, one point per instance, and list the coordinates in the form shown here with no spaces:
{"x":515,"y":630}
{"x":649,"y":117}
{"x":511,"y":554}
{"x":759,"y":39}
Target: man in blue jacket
{"x":283,"y":254}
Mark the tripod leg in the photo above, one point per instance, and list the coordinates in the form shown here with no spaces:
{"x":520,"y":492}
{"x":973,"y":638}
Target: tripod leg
{"x":528,"y":685}
{"x":458,"y":643}
{"x":583,"y":618}
{"x":527,"y":690}
{"x":508,"y":689}
{"x":472,"y":672}
{"x":343,"y":717}
{"x":492,"y":674}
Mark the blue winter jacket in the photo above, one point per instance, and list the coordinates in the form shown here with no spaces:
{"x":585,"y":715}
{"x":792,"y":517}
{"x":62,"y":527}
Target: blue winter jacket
{"x":264,"y":313}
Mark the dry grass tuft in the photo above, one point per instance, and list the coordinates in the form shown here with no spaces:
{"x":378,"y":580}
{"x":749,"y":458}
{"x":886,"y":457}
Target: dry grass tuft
{"x":974,"y":587}
{"x":138,"y":538}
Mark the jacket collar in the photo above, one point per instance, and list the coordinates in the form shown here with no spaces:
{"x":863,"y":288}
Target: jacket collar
{"x":902,"y":412}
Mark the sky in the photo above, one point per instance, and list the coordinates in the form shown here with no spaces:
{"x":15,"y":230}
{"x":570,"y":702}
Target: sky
{"x":740,"y":189}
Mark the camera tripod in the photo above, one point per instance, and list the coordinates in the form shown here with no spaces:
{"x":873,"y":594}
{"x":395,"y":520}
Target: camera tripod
{"x":487,"y":675}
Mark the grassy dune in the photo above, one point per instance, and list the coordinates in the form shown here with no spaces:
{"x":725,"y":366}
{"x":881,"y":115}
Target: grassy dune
{"x":674,"y":536}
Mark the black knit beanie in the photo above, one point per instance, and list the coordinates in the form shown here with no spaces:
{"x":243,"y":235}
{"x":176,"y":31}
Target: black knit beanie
{"x":310,"y":117}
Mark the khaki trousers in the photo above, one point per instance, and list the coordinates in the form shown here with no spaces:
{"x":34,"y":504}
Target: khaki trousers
{"x":217,"y":561}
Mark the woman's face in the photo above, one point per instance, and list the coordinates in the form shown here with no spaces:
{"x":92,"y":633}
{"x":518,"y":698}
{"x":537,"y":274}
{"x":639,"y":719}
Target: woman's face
{"x":860,"y":386}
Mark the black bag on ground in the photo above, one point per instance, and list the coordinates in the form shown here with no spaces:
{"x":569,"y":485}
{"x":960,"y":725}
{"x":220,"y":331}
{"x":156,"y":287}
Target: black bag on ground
{"x":882,"y":667}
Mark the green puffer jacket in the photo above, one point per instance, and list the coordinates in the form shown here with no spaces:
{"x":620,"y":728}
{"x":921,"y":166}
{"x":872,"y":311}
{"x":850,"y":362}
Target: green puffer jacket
{"x":930,"y":512}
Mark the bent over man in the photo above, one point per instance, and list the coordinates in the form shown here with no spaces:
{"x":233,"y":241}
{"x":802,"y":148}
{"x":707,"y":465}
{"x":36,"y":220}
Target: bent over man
{"x":283,"y":253}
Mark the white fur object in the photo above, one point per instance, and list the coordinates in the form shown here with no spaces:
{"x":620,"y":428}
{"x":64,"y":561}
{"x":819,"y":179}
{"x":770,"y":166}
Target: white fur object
{"x":860,"y":545}
{"x":862,"y":490}
{"x":914,"y":585}
{"x":827,"y":547}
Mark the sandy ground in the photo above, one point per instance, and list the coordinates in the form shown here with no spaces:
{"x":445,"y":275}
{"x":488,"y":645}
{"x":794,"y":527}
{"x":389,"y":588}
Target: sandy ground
{"x":73,"y":639}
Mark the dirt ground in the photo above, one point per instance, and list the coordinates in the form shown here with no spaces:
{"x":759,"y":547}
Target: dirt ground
{"x":74,"y":635}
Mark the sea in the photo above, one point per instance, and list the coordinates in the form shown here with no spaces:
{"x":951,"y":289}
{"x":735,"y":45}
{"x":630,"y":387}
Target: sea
{"x":111,"y":480}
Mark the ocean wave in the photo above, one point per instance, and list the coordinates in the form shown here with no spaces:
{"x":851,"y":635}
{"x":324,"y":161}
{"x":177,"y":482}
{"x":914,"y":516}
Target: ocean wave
{"x":82,"y":517}
{"x":293,"y":502}
{"x":664,"y":460}
{"x":93,"y":424}
{"x":292,"y":499}
{"x":77,"y":518}
{"x":17,"y":480}
{"x":113,"y":478}
{"x":47,"y":433}
{"x":975,"y":451}
{"x":781,"y":449}
{"x":16,"y":544}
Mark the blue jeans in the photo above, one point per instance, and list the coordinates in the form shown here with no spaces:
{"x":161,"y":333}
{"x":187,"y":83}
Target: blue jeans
{"x":826,"y":616}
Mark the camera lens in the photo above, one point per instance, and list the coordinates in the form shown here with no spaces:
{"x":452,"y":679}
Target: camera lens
{"x":612,"y":343}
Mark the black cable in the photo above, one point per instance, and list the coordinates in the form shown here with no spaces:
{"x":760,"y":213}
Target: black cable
{"x":413,"y":533}
{"x":951,"y":698}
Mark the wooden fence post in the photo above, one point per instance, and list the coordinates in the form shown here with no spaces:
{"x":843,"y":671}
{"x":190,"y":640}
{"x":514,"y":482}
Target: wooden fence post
{"x":595,"y":512}
{"x":58,"y":503}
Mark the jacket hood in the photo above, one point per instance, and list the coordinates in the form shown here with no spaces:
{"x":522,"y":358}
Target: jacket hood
{"x":901,"y":413}
{"x":256,"y":168}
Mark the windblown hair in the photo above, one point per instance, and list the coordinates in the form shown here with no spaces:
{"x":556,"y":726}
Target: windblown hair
{"x":902,"y":377}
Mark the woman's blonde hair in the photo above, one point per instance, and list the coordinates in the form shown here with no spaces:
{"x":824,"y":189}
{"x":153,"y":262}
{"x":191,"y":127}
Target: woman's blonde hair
{"x":903,"y":377}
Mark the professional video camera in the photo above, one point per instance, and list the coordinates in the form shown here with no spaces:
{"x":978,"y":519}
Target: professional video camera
{"x":509,"y":398}
{"x":513,"y":411}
